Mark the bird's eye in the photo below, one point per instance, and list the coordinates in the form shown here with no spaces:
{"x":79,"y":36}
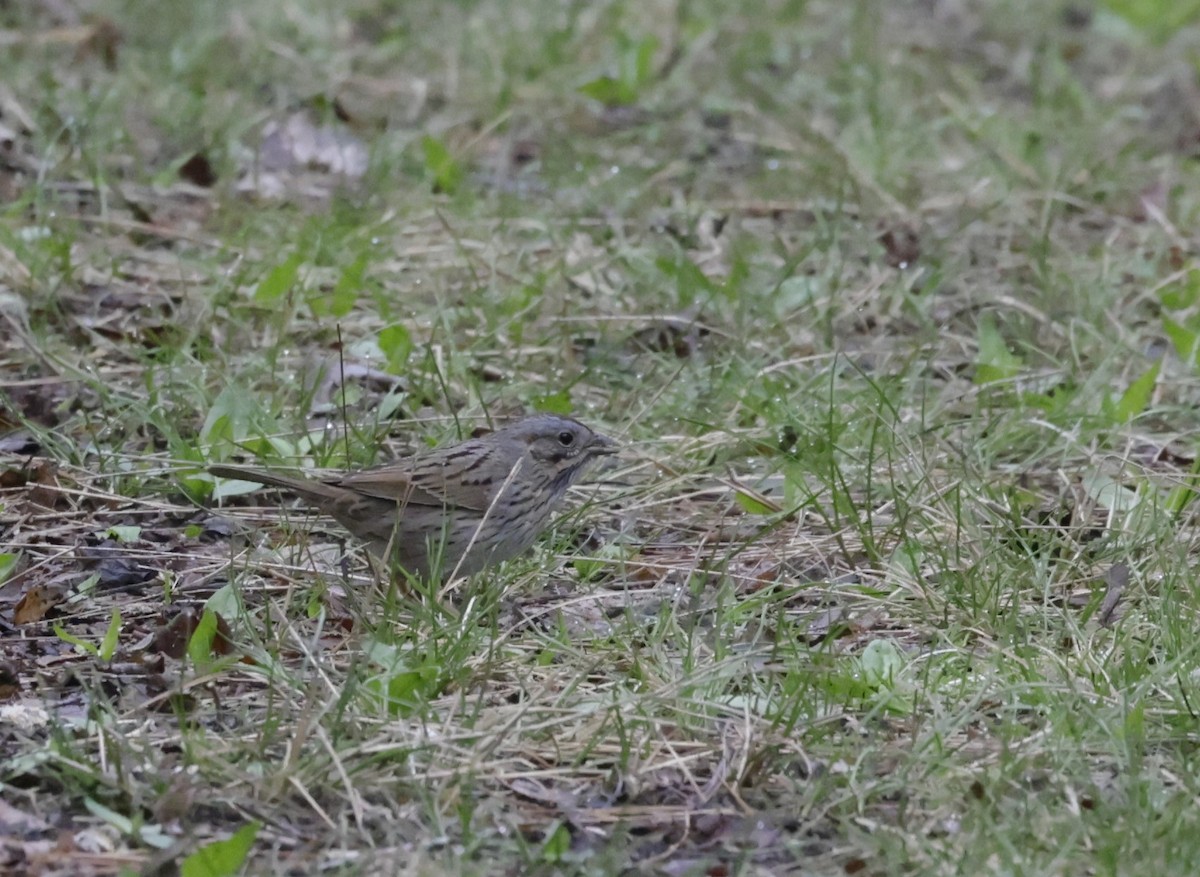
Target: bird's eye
{"x":566,"y":438}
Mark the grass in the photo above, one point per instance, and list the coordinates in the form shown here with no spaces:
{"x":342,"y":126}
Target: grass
{"x":893,"y":307}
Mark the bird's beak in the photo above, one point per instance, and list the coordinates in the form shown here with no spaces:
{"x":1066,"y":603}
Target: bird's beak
{"x":602,"y":444}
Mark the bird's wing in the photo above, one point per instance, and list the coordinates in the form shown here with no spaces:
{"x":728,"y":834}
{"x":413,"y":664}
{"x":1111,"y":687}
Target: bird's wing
{"x":452,"y":485}
{"x":392,"y":483}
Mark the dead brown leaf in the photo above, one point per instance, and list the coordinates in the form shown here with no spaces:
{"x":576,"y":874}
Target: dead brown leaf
{"x":47,"y":494}
{"x":36,"y":602}
{"x":102,"y":41}
{"x":10,"y":682}
{"x":901,"y":245}
{"x":173,"y":637}
{"x":42,"y":474}
{"x":198,"y":171}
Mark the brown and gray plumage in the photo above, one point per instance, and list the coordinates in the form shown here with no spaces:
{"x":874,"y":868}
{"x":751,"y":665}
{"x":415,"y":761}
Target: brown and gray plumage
{"x":456,"y":509}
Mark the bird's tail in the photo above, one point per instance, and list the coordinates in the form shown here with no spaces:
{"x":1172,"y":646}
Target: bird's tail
{"x":306,"y":487}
